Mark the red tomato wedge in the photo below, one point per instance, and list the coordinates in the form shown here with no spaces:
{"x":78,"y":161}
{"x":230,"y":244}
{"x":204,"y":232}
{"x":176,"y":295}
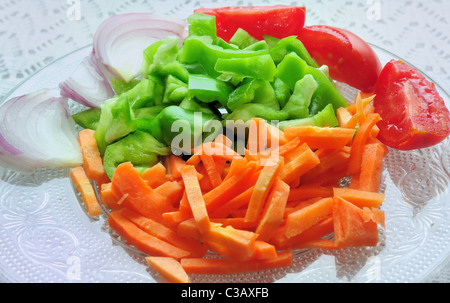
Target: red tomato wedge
{"x":413,"y":113}
{"x":350,"y":59}
{"x":278,"y":21}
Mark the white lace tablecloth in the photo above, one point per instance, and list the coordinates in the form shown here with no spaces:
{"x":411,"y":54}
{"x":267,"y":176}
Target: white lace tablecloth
{"x":34,"y":33}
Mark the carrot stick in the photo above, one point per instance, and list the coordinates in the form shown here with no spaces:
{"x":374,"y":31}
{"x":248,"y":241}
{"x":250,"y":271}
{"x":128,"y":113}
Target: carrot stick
{"x":321,"y":137}
{"x":304,"y":192}
{"x":195,"y":197}
{"x":316,"y":244}
{"x":174,"y":165}
{"x":299,"y":166}
{"x":215,"y":176}
{"x":164,"y":233}
{"x":299,"y":221}
{"x":235,"y":222}
{"x":273,"y":213}
{"x":371,"y":167}
{"x":230,"y":266}
{"x":264,"y":251}
{"x":139,"y":196}
{"x":235,"y":203}
{"x":215,"y":149}
{"x":108,"y":198}
{"x":84,"y":187}
{"x":262,"y":188}
{"x":359,"y":197}
{"x":155,"y":175}
{"x":92,"y":161}
{"x":143,"y":241}
{"x":172,"y":190}
{"x":257,"y":137}
{"x":359,"y":142}
{"x":173,"y":218}
{"x":221,"y":138}
{"x":169,"y":269}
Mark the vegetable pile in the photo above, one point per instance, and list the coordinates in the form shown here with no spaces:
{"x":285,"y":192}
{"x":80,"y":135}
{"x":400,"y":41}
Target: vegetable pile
{"x":250,"y":197}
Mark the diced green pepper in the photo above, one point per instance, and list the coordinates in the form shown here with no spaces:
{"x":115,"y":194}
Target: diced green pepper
{"x":298,"y":103}
{"x":203,"y":25}
{"x":88,"y":118}
{"x":208,"y":89}
{"x":282,"y":91}
{"x":144,"y":93}
{"x":248,"y":111}
{"x":175,"y":90}
{"x":242,"y":39}
{"x":120,"y":86}
{"x":255,"y":91}
{"x":293,"y":68}
{"x":258,"y":67}
{"x":139,"y":148}
{"x":288,"y":45}
{"x":191,"y":104}
{"x":326,"y":117}
{"x":148,"y":112}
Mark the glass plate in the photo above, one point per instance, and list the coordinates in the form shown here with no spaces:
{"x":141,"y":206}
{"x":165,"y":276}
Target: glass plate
{"x":47,"y":236}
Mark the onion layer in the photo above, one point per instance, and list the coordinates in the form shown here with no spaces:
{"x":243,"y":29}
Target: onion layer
{"x":36,"y":130}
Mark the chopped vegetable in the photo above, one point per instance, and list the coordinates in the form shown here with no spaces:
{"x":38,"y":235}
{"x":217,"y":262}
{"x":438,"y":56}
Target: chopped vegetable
{"x":84,"y":186}
{"x":170,"y":269}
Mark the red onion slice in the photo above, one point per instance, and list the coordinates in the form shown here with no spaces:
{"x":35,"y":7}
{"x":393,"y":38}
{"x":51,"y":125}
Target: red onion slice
{"x":120,"y":40}
{"x":36,"y":130}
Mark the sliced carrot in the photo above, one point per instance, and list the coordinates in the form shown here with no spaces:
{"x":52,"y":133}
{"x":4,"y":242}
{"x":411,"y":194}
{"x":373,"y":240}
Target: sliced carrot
{"x":174,"y":165}
{"x":262,"y":188}
{"x":374,"y":214}
{"x":264,"y":251}
{"x":359,"y":197}
{"x":335,"y":160}
{"x":343,"y":116}
{"x":304,"y":192}
{"x":155,"y":175}
{"x":299,"y":221}
{"x":365,"y":99}
{"x":235,"y":203}
{"x":296,"y":152}
{"x":214,"y":174}
{"x":92,"y":160}
{"x":172,"y":190}
{"x":215,"y":149}
{"x":143,"y":241}
{"x":173,"y":218}
{"x":371,"y":167}
{"x":350,"y":227}
{"x":84,"y":187}
{"x":195,"y":197}
{"x":139,"y":196}
{"x":235,"y":222}
{"x":221,"y":138}
{"x":321,"y":137}
{"x":230,"y":266}
{"x":359,"y":142}
{"x":299,"y":166}
{"x":297,"y":205}
{"x":257,"y":137}
{"x":273,"y":213}
{"x":275,"y":135}
{"x":316,"y":244}
{"x":169,"y":269}
{"x":108,"y":198}
{"x":164,"y":233}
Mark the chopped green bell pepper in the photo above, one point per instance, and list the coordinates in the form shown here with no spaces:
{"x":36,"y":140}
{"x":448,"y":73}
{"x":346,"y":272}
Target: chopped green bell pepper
{"x":203,"y":25}
{"x":242,"y":39}
{"x":298,"y":103}
{"x":208,"y":89}
{"x":88,"y":118}
{"x":288,"y":45}
{"x":258,"y":67}
{"x":139,"y":148}
{"x":293,"y":68}
{"x":326,"y":117}
{"x":254,"y":91}
{"x":175,"y":90}
{"x":282,"y":91}
{"x":248,"y":111}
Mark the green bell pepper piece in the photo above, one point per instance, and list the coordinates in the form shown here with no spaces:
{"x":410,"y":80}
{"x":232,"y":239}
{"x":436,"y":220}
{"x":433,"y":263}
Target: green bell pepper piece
{"x":253,"y":91}
{"x":175,"y":90}
{"x":203,"y":25}
{"x":293,"y":68}
{"x":161,"y":58}
{"x":88,"y":118}
{"x":191,"y":104}
{"x":139,"y":148}
{"x":258,"y":67}
{"x":298,"y":103}
{"x":148,"y":113}
{"x":248,"y":111}
{"x":242,"y":39}
{"x":208,"y":89}
{"x":120,"y":86}
{"x":282,"y":91}
{"x":201,"y":49}
{"x":326,"y":117}
{"x":288,"y":45}
{"x":145,"y":93}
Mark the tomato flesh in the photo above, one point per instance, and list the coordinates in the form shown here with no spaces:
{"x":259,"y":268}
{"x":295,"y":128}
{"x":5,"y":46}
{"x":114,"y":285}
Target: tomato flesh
{"x":413,"y":113}
{"x":349,"y":58}
{"x":278,"y":21}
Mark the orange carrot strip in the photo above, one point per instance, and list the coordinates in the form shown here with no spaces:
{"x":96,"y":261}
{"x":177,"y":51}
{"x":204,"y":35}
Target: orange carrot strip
{"x":257,"y":137}
{"x":360,"y":198}
{"x":316,"y":244}
{"x":302,"y":219}
{"x":299,"y":166}
{"x":139,"y":196}
{"x":304,"y":192}
{"x":371,"y":167}
{"x":221,"y":138}
{"x":273,"y":213}
{"x":174,"y":165}
{"x":92,"y":161}
{"x":215,"y":176}
{"x":238,"y":223}
{"x":164,"y":233}
{"x":230,"y":266}
{"x":264,"y":251}
{"x":173,"y":190}
{"x":300,"y":204}
{"x":235,"y":203}
{"x":274,"y":134}
{"x":350,"y":227}
{"x":262,"y":188}
{"x":169,"y":269}
{"x":215,"y":149}
{"x":321,"y":137}
{"x":143,"y":241}
{"x":84,"y":187}
{"x":173,"y":218}
{"x":338,"y":158}
{"x":296,"y":152}
{"x":359,"y":142}
{"x":155,"y":175}
{"x":195,"y":197}
{"x":108,"y":198}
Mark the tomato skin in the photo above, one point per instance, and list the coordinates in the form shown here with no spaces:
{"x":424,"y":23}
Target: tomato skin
{"x":413,"y":113}
{"x":350,"y":59}
{"x":279,"y":21}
